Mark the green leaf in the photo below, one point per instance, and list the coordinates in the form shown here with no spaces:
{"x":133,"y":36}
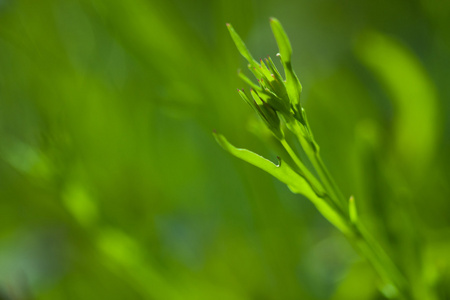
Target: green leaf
{"x":293,"y":85}
{"x":264,"y":70}
{"x":248,"y":81}
{"x":244,"y":96}
{"x":279,"y":104}
{"x":256,"y":97}
{"x":283,"y":172}
{"x":241,"y":46}
{"x":268,"y":115}
{"x":274,"y":70}
{"x":282,"y":40}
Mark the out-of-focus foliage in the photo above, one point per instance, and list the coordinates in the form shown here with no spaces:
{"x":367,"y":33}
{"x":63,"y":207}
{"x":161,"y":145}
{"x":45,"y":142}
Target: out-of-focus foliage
{"x":113,"y":187}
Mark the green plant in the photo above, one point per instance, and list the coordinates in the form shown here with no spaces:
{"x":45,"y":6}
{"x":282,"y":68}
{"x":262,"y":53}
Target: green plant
{"x":277,"y":101}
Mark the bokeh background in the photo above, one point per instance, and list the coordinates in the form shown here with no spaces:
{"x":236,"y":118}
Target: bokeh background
{"x":113,"y":187}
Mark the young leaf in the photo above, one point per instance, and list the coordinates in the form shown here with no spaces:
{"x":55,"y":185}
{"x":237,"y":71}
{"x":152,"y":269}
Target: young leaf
{"x":293,"y":85}
{"x":248,"y":81}
{"x":282,"y":40}
{"x":274,"y":70}
{"x":283,"y":172}
{"x":241,"y":46}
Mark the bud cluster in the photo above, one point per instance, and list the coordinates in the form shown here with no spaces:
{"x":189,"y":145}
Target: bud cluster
{"x":274,"y":99}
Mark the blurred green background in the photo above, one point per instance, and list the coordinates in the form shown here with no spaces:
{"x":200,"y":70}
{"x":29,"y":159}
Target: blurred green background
{"x":113,"y":187}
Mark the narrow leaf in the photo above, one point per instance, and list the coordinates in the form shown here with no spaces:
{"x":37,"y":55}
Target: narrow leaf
{"x":283,"y":172}
{"x":282,"y":40}
{"x":274,"y":69}
{"x":248,"y":81}
{"x":241,"y":46}
{"x":244,"y":96}
{"x":293,"y":85}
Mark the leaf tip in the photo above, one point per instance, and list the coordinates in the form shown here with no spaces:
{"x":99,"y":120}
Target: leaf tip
{"x":279,"y":161}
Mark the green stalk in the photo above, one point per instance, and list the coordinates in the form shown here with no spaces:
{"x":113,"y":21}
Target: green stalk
{"x":315,"y":184}
{"x":357,"y":234}
{"x":324,"y":175}
{"x":380,"y":261}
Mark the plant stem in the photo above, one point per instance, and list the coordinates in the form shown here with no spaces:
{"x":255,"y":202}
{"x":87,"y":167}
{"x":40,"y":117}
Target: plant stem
{"x":361,"y":239}
{"x":378,"y":258}
{"x":305,"y":172}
